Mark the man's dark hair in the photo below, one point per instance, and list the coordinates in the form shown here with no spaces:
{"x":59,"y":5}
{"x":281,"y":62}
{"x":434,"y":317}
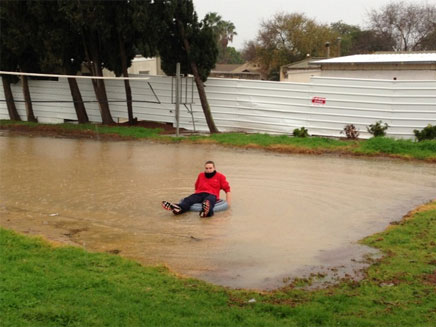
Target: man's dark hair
{"x":210,"y":162}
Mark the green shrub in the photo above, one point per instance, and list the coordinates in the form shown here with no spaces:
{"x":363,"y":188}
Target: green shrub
{"x":378,"y":129}
{"x":351,"y":132}
{"x":302,"y":132}
{"x":428,"y":133}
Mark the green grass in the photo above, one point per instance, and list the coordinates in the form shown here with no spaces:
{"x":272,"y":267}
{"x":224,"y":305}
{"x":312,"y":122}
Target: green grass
{"x":42,"y":285}
{"x":378,"y":146}
{"x":271,"y":140}
{"x":409,"y":148}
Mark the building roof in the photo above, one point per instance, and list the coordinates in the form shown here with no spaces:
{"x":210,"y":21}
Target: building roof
{"x":235,"y":68}
{"x":415,"y":58}
{"x":307,"y":63}
{"x":247,"y":68}
{"x":139,"y":58}
{"x":225,"y":67}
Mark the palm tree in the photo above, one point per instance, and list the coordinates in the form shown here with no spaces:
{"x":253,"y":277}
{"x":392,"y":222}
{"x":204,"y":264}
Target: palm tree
{"x":227,"y":32}
{"x":224,"y":32}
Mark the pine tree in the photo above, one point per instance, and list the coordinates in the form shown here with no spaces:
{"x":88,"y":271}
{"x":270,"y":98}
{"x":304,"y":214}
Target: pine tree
{"x":192,"y":43}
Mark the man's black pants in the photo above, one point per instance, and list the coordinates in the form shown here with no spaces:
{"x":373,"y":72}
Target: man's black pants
{"x":198,"y":198}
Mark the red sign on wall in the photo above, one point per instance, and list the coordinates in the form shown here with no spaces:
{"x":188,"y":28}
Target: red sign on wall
{"x":318,"y":100}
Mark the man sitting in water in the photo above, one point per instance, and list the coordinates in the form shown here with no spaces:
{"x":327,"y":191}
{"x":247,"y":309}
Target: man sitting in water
{"x":207,"y":191}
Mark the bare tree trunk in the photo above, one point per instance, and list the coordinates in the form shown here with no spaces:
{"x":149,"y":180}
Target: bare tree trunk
{"x":199,"y":83}
{"x":27,"y":99}
{"x":98,"y":84}
{"x":100,"y":93}
{"x":126,"y":81}
{"x":89,"y":41}
{"x":101,"y":89}
{"x":203,"y":99}
{"x":12,"y":109}
{"x":79,"y":106}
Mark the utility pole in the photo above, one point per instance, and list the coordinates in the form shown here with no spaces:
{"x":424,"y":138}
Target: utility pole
{"x":177,"y":97}
{"x":327,"y":48}
{"x":339,"y":39}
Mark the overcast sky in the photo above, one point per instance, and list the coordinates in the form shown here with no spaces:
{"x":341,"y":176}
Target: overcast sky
{"x":248,"y":14}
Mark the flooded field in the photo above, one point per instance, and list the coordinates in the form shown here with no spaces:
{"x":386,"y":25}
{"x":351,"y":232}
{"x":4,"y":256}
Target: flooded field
{"x":291,"y":214}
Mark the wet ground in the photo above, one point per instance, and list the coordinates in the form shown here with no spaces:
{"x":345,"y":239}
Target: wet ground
{"x":291,"y":215}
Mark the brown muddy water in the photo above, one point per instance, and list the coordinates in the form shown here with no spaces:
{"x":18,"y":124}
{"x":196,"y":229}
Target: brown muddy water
{"x":292,"y":215}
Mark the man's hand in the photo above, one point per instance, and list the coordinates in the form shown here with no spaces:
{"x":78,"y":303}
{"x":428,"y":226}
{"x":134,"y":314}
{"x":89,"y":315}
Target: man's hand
{"x":228,"y":198}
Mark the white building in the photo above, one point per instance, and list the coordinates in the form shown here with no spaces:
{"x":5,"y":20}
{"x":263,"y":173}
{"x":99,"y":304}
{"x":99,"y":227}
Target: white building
{"x":148,"y":66}
{"x":395,"y":66}
{"x":300,"y":71}
{"x":141,"y":65}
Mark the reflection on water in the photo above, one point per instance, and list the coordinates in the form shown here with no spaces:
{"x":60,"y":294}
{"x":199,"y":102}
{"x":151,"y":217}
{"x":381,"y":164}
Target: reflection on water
{"x":290,"y":213}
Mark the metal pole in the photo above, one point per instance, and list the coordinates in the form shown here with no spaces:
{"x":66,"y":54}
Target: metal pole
{"x":339,"y":39}
{"x":177,"y":97}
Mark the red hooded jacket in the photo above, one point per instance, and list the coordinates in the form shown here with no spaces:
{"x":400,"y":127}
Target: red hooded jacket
{"x":212,"y":185}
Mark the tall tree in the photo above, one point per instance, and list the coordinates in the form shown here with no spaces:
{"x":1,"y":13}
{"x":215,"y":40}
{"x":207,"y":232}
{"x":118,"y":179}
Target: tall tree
{"x":228,"y":31}
{"x":59,"y":54}
{"x":151,"y":21}
{"x":19,"y":41}
{"x":356,"y":41}
{"x":118,"y":52}
{"x":88,"y":19}
{"x":191,"y":43}
{"x":407,"y":23}
{"x":346,"y":34}
{"x":429,"y":42}
{"x":290,"y":37}
{"x":369,"y":41}
{"x":224,"y":32}
{"x":136,"y":26}
{"x":230,"y":56}
{"x":8,"y":62}
{"x":249,"y":52}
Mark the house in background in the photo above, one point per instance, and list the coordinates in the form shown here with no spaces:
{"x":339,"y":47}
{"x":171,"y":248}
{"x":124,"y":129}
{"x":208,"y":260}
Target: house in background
{"x":147,"y":66}
{"x":140,"y":65}
{"x":300,"y":71}
{"x":382,"y":65}
{"x":238,"y":71}
{"x":152,"y":66}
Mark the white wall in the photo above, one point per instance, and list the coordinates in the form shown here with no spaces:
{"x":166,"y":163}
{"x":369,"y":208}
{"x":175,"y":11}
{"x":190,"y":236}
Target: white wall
{"x":429,"y":74}
{"x":301,"y":76}
{"x":255,"y":106}
{"x":141,"y":65}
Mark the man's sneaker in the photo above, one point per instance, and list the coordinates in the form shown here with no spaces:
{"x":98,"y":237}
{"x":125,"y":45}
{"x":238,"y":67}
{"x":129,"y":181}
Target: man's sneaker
{"x":205,"y":208}
{"x":171,"y":207}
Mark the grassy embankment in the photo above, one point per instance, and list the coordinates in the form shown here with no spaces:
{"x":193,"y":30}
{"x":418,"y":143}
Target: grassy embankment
{"x":46,"y":285}
{"x":380,"y":146}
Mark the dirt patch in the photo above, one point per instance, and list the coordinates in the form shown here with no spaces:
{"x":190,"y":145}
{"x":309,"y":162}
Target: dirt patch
{"x":58,"y":131}
{"x":425,"y":207}
{"x":431,"y":278}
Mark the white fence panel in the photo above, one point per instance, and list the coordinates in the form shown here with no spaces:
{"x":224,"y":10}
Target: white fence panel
{"x":251,"y":106}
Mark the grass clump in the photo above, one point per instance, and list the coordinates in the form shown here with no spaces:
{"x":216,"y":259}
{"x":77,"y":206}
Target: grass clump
{"x":135,"y":132}
{"x":42,"y":285}
{"x":377,"y":129}
{"x":300,"y":132}
{"x":407,"y":148}
{"x":267,"y":140}
{"x":427,"y":133}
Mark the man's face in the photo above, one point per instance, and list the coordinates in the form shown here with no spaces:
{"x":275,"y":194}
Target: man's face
{"x":209,"y":168}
